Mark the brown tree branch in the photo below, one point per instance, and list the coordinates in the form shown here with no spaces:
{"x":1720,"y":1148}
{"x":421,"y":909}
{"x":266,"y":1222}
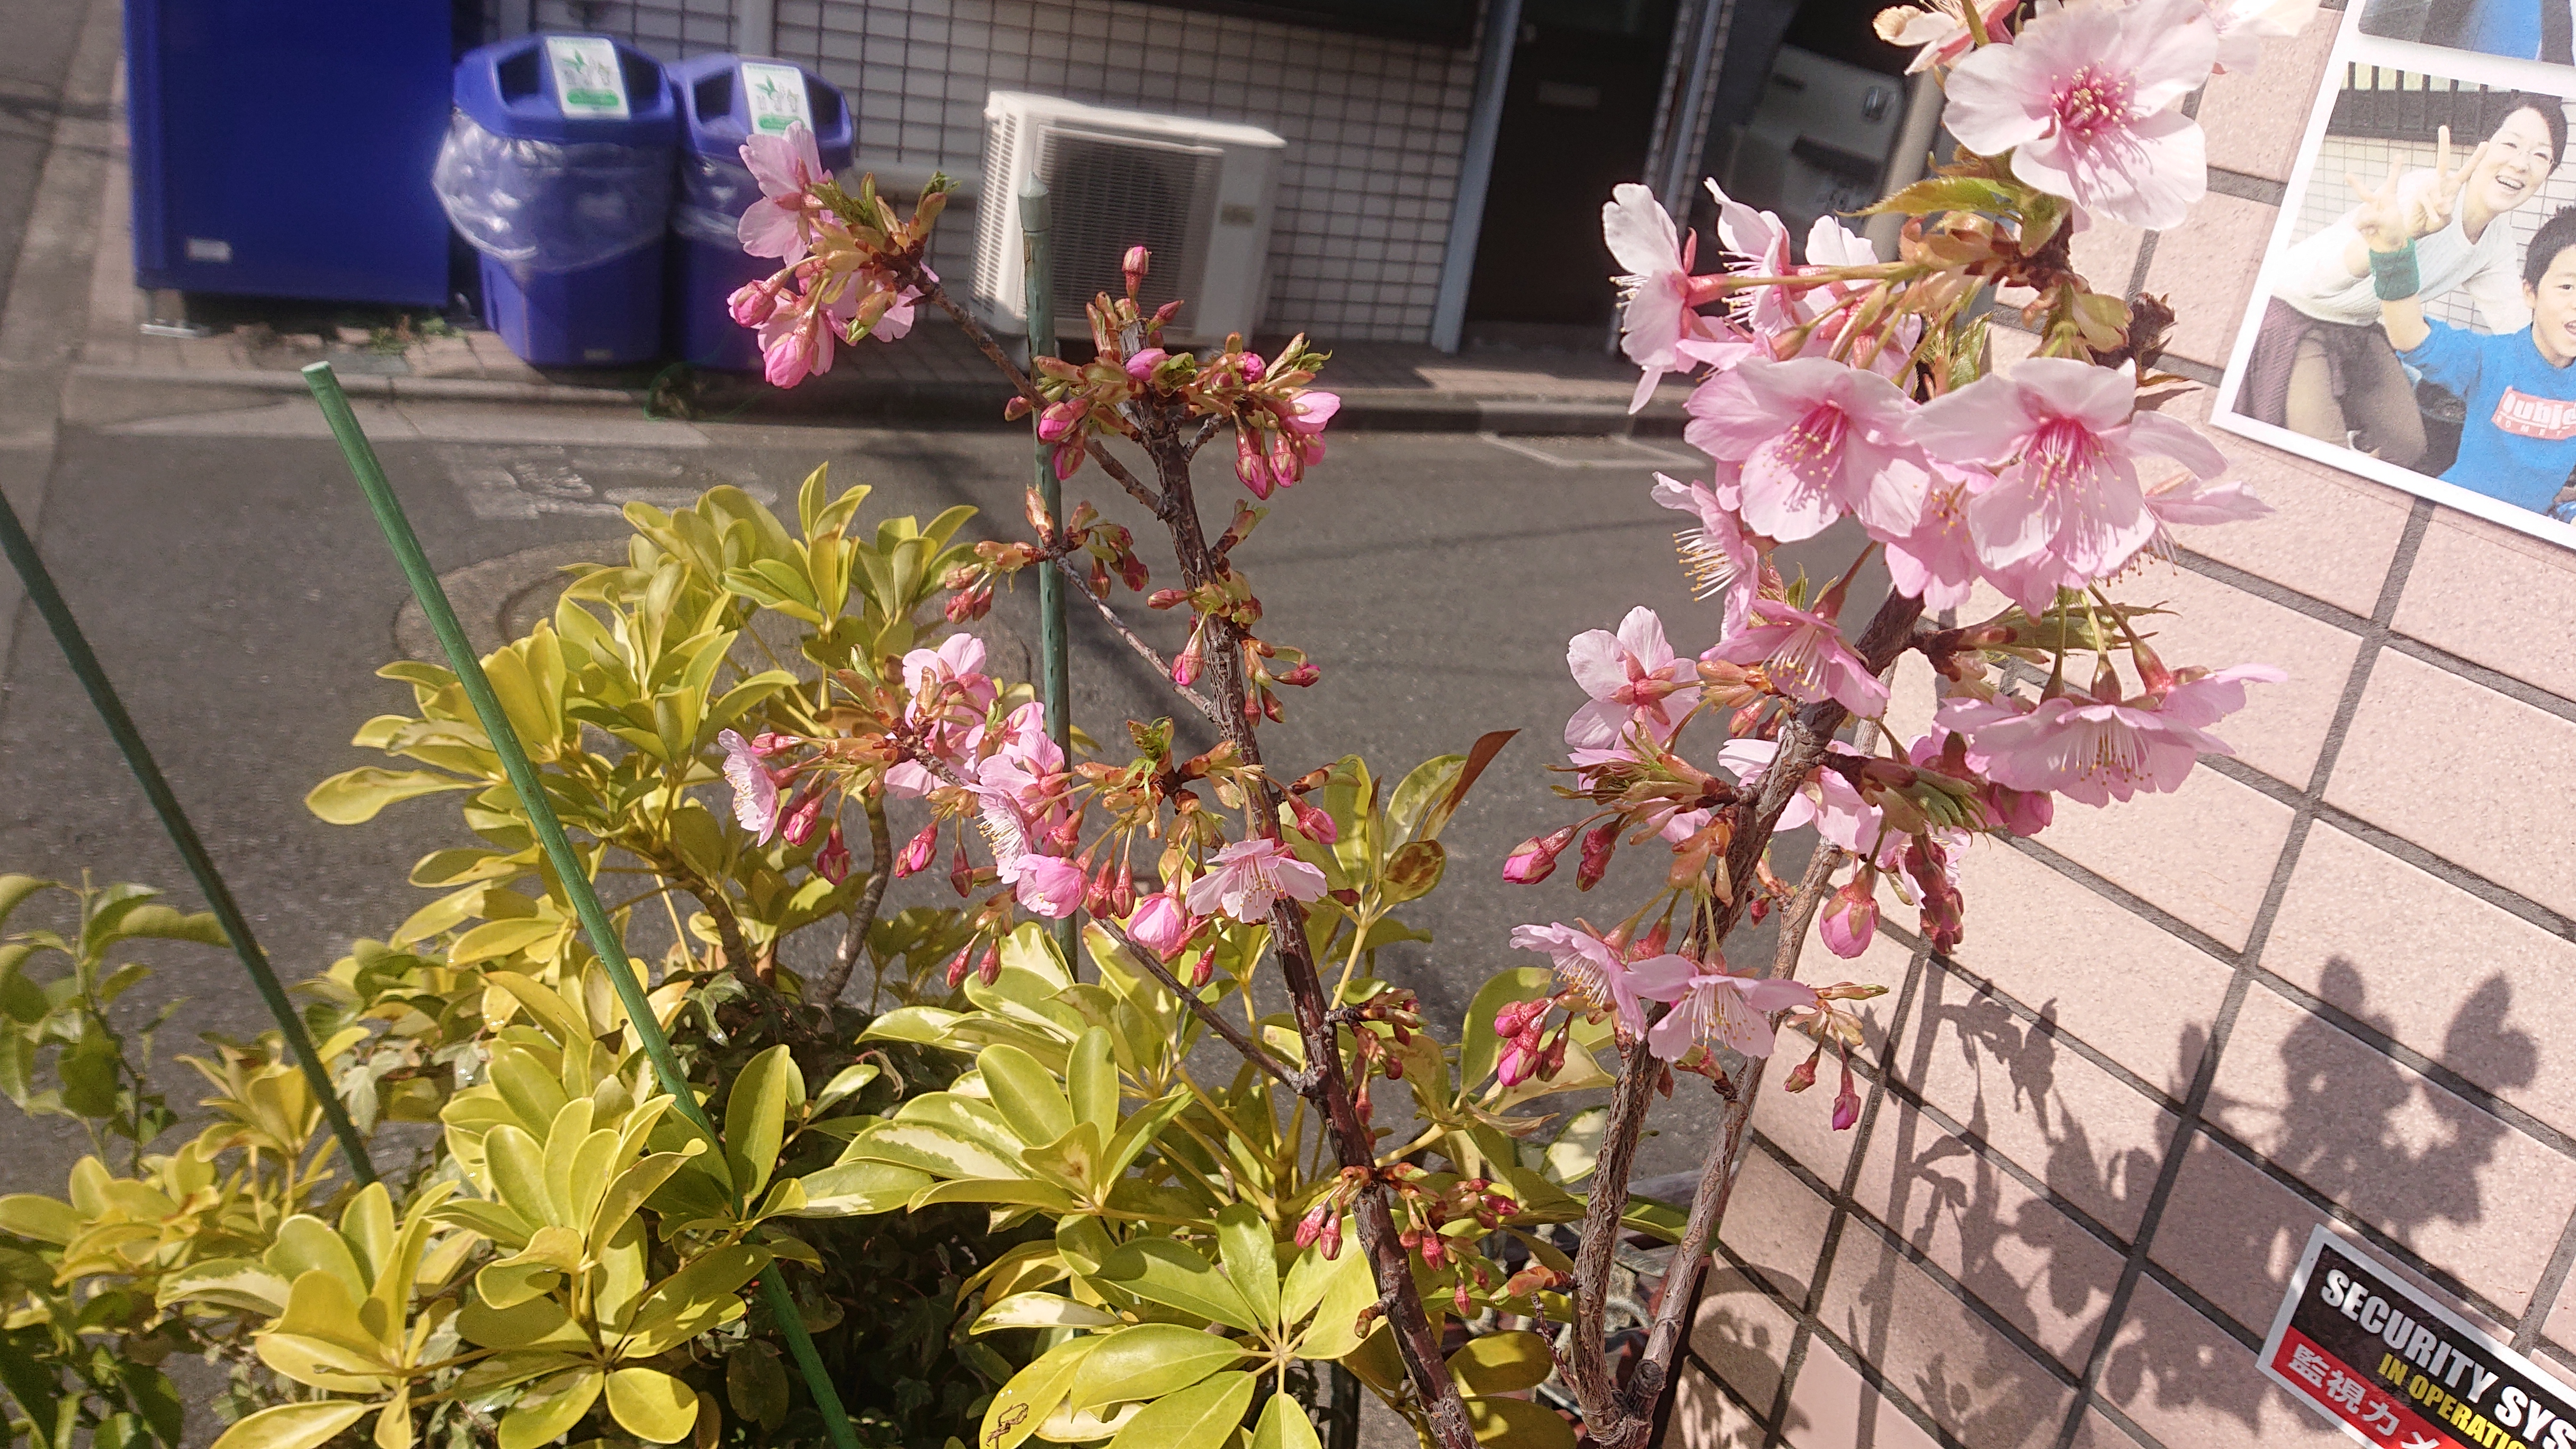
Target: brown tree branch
{"x":1213,"y":1019}
{"x":863,"y":911}
{"x":1082,"y":586}
{"x":1610,"y":1415}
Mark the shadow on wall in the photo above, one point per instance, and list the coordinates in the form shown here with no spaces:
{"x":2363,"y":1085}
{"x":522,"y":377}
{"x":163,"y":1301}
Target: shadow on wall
{"x":2349,"y":1122}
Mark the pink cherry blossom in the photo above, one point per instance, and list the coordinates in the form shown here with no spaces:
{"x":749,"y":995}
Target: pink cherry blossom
{"x":1634,"y":679}
{"x":1846,"y":1101}
{"x":2063,"y":438}
{"x":1759,"y":244}
{"x":1657,"y":294}
{"x":2094,"y":750}
{"x":1826,"y":799}
{"x":1816,"y":439}
{"x":2243,"y":26}
{"x":1936,"y":561}
{"x":954,"y":674}
{"x":781,"y":223}
{"x":2084,"y":99}
{"x":755,"y":790}
{"x":1709,"y":1005}
{"x":1721,"y":554}
{"x":1589,"y":965}
{"x":1046,"y":885}
{"x":1803,"y":654}
{"x":1161,"y":923}
{"x":1249,"y":876}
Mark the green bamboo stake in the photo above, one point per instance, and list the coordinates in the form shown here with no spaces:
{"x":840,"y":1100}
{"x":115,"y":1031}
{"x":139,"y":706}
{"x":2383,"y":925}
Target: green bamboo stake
{"x":210,"y":883}
{"x":1034,"y":225}
{"x":604,"y":940}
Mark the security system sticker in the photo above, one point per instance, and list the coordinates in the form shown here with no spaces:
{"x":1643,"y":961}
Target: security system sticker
{"x":2363,"y":1349}
{"x":589,"y":83}
{"x":776,"y":95}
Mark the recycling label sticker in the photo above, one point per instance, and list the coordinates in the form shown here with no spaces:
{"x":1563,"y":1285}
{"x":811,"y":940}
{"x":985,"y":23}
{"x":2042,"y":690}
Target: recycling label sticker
{"x":590,"y":84}
{"x":775,"y":96}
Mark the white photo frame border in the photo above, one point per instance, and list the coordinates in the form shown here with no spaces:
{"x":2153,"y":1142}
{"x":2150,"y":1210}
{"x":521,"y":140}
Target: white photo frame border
{"x":2352,"y":47}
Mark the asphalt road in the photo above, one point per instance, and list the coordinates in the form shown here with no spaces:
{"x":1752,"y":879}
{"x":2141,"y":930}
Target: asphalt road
{"x":231,"y":579}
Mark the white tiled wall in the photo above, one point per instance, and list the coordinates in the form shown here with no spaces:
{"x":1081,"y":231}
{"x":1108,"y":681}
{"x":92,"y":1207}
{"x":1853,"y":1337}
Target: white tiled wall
{"x":1374,"y":127}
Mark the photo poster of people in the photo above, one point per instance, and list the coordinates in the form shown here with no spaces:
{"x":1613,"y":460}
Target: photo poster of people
{"x":2415,"y":322}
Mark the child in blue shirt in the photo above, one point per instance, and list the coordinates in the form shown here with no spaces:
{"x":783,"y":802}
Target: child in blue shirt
{"x":2519,"y":442}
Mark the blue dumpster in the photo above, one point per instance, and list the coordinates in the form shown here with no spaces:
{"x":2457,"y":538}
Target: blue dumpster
{"x":724,"y":100}
{"x":282,"y":147}
{"x":557,"y":168}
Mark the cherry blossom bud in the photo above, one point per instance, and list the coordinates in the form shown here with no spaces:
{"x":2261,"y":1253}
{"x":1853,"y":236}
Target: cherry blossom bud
{"x":1515,"y":1065}
{"x":1535,"y":860}
{"x":958,"y":964}
{"x":1311,"y":1226}
{"x":1312,"y":823}
{"x":832,"y":862}
{"x":918,"y":851}
{"x":1167,"y":598}
{"x":988,"y":968}
{"x":2022,"y":812}
{"x":1553,"y":1060}
{"x":801,"y":818}
{"x":770,"y":742}
{"x":1458,"y":1300}
{"x":967,"y":607}
{"x":1300,"y":675}
{"x":1060,"y":419}
{"x":1598,"y":843}
{"x":1253,"y":366}
{"x":753,"y":303}
{"x":1141,"y":366}
{"x":1846,"y":1102}
{"x":1393,"y":1067}
{"x":961,"y":871}
{"x":1203,"y":968}
{"x":1133,"y":266}
{"x":1332,"y":1239}
{"x":1185,"y":669}
{"x":1803,"y":1075}
{"x":1850,"y":919}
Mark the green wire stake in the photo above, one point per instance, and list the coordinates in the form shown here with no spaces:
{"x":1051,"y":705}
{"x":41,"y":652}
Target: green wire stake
{"x":604,"y":941}
{"x":129,"y":742}
{"x":1034,"y":225}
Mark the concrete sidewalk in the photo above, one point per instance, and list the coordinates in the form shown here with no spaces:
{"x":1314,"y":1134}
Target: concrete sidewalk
{"x":934,"y":376}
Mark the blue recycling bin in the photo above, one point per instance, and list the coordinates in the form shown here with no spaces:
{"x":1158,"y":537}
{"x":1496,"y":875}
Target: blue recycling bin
{"x":724,"y":100}
{"x":557,"y":168}
{"x":282,"y":148}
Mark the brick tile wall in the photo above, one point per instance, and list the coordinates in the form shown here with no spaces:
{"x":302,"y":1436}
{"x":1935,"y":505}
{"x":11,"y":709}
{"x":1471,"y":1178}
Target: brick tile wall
{"x":2316,"y":985}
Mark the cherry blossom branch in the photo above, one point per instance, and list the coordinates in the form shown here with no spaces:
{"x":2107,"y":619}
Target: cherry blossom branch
{"x":1717,"y":1180}
{"x":1615,"y":1418}
{"x":863,"y":912}
{"x":1208,"y":1015}
{"x":1082,"y":586}
{"x":1354,"y":1146}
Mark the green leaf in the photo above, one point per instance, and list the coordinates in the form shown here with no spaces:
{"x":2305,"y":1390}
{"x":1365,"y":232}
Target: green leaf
{"x":1092,"y":1080}
{"x":1518,"y":1423}
{"x":494,"y":940}
{"x":931,"y":1149}
{"x":652,"y":1405}
{"x":1032,"y":1394}
{"x":1954,"y":193}
{"x":1501,"y":1363}
{"x":847,"y":1080}
{"x":1164,"y":1272}
{"x":756,"y":1118}
{"x":39,"y":1218}
{"x":1413,"y":870}
{"x":14,"y":890}
{"x":1025,"y":1094}
{"x":1577,"y":1149}
{"x":1479,"y":755}
{"x":1347,"y":1286}
{"x":756,"y":1385}
{"x":163,"y":923}
{"x":153,"y":1393}
{"x":548,"y":1411}
{"x":1251,"y":1258}
{"x":1202,"y":1416}
{"x":1041,"y":1310}
{"x":855,"y":1189}
{"x":294,"y":1426}
{"x":1284,"y":1425}
{"x":1147,"y":1362}
{"x":353,"y":798}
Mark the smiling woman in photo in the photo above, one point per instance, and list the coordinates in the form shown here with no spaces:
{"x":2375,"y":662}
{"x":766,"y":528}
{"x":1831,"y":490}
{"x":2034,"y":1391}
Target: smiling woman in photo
{"x":2322,"y":366}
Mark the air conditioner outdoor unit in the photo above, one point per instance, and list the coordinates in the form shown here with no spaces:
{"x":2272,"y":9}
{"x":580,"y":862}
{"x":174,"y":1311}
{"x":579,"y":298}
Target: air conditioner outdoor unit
{"x":1197,"y":192}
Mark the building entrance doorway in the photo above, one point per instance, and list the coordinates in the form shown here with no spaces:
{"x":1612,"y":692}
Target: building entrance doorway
{"x":1577,"y":117}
